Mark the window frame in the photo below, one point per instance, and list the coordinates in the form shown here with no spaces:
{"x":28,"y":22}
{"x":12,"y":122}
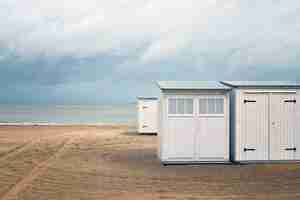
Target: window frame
{"x":211,"y":114}
{"x":185,"y":98}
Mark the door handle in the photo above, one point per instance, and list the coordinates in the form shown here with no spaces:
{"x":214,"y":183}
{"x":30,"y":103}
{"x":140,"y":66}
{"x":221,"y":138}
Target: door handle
{"x":249,"y":101}
{"x":273,"y":123}
{"x":144,"y":126}
{"x":249,"y":149}
{"x":291,"y":149}
{"x":291,"y":101}
{"x":144,"y":107}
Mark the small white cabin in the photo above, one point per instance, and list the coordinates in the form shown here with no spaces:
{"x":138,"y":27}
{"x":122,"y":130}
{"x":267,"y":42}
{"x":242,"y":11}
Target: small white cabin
{"x":265,"y":118}
{"x":193,"y":122}
{"x":147,"y":114}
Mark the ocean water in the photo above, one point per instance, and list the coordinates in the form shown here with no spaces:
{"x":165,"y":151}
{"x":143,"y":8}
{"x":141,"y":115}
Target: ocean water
{"x":68,"y":114}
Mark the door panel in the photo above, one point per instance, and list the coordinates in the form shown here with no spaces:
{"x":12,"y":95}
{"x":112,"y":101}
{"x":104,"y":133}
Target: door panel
{"x":151,"y":112}
{"x":148,"y":116}
{"x":211,"y":138}
{"x":256,"y":127}
{"x":141,"y":116}
{"x":282,"y":126}
{"x":181,"y":140}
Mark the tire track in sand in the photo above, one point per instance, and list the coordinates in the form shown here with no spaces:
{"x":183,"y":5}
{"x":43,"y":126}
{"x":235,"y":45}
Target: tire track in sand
{"x":23,"y":147}
{"x":19,"y":149}
{"x":37,"y":171}
{"x":3,"y":154}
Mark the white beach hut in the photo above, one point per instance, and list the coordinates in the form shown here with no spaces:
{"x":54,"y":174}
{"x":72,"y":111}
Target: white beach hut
{"x":193,"y":122}
{"x":264,"y":121}
{"x":147,"y":114}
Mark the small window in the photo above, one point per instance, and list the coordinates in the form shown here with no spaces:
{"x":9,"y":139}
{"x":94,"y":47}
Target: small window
{"x":189,"y":106}
{"x":172,"y":106}
{"x":203,"y":106}
{"x":181,"y":106}
{"x":220,"y":106}
{"x":211,"y":106}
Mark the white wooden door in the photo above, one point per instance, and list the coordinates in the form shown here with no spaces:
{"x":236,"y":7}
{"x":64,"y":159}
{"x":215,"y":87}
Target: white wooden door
{"x":181,"y":141}
{"x":211,"y":138}
{"x":282,"y":126}
{"x":148,"y":116}
{"x":211,"y":135}
{"x":181,"y":128}
{"x":256,"y":127}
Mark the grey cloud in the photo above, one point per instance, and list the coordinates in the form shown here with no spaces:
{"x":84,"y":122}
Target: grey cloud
{"x":69,"y":50}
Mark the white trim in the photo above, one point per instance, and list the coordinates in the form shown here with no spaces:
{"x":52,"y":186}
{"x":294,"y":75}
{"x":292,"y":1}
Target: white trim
{"x":269,"y":91}
{"x":180,"y":115}
{"x":211,"y":115}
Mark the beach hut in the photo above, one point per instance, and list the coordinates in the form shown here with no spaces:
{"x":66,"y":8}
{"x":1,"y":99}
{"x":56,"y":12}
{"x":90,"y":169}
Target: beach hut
{"x":264,"y":121}
{"x":193,"y":122}
{"x":147,"y":114}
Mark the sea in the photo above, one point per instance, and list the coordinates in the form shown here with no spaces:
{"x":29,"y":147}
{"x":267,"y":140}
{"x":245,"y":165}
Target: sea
{"x":68,"y":114}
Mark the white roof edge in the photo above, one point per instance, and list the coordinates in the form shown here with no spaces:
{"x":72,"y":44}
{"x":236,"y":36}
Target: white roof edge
{"x":192,"y":85}
{"x":261,"y":84}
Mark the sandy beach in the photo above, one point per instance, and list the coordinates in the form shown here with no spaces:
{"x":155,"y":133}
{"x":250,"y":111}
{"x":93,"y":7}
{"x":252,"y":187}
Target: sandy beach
{"x":113,"y":162}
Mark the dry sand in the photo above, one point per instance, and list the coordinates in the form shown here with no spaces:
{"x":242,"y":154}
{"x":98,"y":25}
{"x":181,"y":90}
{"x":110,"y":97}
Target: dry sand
{"x":111,"y":162}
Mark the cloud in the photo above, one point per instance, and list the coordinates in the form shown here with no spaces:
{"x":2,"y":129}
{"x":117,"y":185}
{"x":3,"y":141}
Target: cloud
{"x":72,"y":45}
{"x":120,"y":27}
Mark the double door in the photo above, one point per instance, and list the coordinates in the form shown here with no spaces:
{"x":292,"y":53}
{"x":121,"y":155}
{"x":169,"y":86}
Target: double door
{"x":197,"y":128}
{"x":270,"y":124}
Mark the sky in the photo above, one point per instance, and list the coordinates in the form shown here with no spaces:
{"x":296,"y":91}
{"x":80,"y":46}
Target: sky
{"x":111,"y":51}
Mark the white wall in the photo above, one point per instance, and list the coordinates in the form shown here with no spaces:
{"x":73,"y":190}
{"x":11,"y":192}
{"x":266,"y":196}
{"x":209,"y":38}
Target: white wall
{"x":194,"y":138}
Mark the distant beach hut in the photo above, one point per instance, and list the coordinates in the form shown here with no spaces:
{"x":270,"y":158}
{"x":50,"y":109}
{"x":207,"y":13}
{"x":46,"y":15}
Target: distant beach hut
{"x":147,"y":114}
